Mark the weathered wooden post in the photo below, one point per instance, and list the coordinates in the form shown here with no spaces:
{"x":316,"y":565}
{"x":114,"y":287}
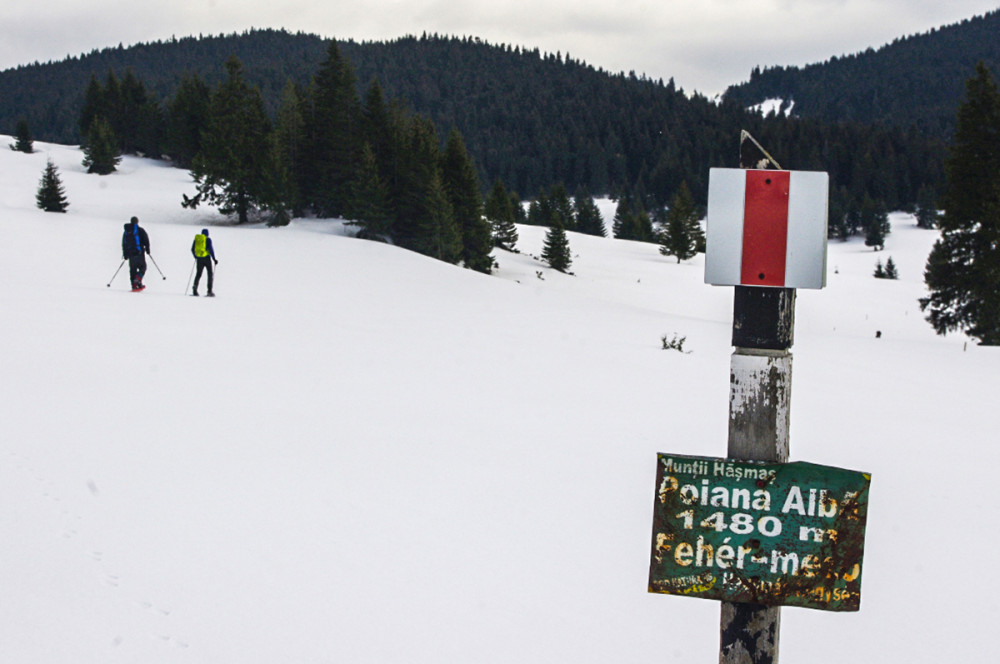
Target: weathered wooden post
{"x":760,"y":390}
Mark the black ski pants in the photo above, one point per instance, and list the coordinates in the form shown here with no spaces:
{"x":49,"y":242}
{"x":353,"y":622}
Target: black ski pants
{"x":137,"y":269}
{"x":204,"y":263}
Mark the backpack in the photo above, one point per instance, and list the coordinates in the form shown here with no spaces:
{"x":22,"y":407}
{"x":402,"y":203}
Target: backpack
{"x":200,"y":249}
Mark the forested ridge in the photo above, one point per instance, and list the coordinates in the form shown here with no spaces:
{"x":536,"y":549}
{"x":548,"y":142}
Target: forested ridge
{"x":528,"y":118}
{"x":914,"y":81}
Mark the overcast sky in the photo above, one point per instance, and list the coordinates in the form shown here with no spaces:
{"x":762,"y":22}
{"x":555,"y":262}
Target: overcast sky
{"x":705,"y":45}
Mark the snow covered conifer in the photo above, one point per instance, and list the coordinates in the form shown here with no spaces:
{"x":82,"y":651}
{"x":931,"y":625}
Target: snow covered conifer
{"x":588,"y":216}
{"x":101,"y":154}
{"x":371,"y":199}
{"x":499,"y":210}
{"x":234,"y":169}
{"x":878,"y":227}
{"x":681,"y":235}
{"x":22,"y":135}
{"x":927,"y":214}
{"x":890,"y":269}
{"x":963,"y":269}
{"x":51,"y":196}
{"x":458,"y":175}
{"x":555,"y":251}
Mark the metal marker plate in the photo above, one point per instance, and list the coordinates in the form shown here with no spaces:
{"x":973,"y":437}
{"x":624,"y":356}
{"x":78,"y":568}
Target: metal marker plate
{"x":765,"y":533}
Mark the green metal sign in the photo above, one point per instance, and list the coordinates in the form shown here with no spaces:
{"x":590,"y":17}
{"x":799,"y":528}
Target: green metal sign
{"x":764,"y":533}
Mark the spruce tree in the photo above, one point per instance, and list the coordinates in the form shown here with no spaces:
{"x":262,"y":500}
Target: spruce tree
{"x":588,"y":216}
{"x":140,"y":128}
{"x":622,"y":223}
{"x":51,"y":197}
{"x":499,"y":210}
{"x":93,"y":105}
{"x":101,"y":154}
{"x":927,"y":214}
{"x":371,"y":205}
{"x":963,"y":269}
{"x":424,"y":221}
{"x":879,"y":270}
{"x":681,"y":234}
{"x":561,"y":207}
{"x":22,"y":138}
{"x":187,"y":118}
{"x":440,"y":236}
{"x":520,"y":214}
{"x":234,"y":170}
{"x":458,"y":174}
{"x":878,"y":227}
{"x":289,"y":136}
{"x":334,"y":129}
{"x":380,"y":134}
{"x":890,"y":269}
{"x":555,"y":250}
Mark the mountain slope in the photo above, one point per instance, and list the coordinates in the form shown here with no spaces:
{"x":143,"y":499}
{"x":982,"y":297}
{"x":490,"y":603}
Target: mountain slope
{"x":358,"y":454}
{"x":914,"y":81}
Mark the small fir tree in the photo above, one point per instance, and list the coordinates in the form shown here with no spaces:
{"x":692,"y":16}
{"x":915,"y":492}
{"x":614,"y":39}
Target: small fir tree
{"x":681,"y":234}
{"x":555,"y":251}
{"x":927,"y":214}
{"x":878,"y":227}
{"x":890,"y":269}
{"x":588,"y":216}
{"x":562,"y":207}
{"x":520,"y":214}
{"x":499,"y":210}
{"x":23,"y":141}
{"x":101,"y":154}
{"x":622,"y":220}
{"x":51,"y":197}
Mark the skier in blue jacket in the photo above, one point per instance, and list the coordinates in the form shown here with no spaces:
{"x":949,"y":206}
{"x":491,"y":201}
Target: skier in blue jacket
{"x":204,"y":256}
{"x":135,"y":246}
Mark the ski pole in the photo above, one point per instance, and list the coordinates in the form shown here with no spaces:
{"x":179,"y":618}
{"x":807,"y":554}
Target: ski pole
{"x":190,"y":277}
{"x":116,"y":273}
{"x":157,"y":266}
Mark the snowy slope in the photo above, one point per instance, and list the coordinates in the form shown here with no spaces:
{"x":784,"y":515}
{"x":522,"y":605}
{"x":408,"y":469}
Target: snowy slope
{"x":356,"y":454}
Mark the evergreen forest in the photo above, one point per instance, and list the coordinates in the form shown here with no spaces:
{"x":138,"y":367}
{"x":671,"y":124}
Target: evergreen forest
{"x":915,"y":81}
{"x":531,"y":120}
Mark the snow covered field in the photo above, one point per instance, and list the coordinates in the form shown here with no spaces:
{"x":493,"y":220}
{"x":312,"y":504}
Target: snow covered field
{"x":357,"y":454}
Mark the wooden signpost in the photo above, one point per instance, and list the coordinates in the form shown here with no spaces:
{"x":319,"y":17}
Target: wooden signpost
{"x":752,"y":530}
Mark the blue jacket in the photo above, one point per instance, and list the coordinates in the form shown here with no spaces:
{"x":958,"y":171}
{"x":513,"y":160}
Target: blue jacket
{"x":134,"y":241}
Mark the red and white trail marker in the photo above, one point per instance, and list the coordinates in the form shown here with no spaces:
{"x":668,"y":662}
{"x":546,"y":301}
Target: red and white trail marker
{"x":766,"y":228}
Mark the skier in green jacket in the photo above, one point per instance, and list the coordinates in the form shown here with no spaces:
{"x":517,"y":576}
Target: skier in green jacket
{"x":204,"y":256}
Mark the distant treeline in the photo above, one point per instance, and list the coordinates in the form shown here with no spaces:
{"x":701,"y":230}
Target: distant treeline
{"x":529,"y":119}
{"x":914,"y":81}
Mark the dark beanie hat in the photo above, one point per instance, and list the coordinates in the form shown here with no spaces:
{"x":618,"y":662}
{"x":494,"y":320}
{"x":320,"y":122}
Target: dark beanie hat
{"x":204,"y":232}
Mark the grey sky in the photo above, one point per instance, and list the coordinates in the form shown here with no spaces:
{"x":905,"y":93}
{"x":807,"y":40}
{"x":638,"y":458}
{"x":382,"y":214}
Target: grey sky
{"x":704,"y":45}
